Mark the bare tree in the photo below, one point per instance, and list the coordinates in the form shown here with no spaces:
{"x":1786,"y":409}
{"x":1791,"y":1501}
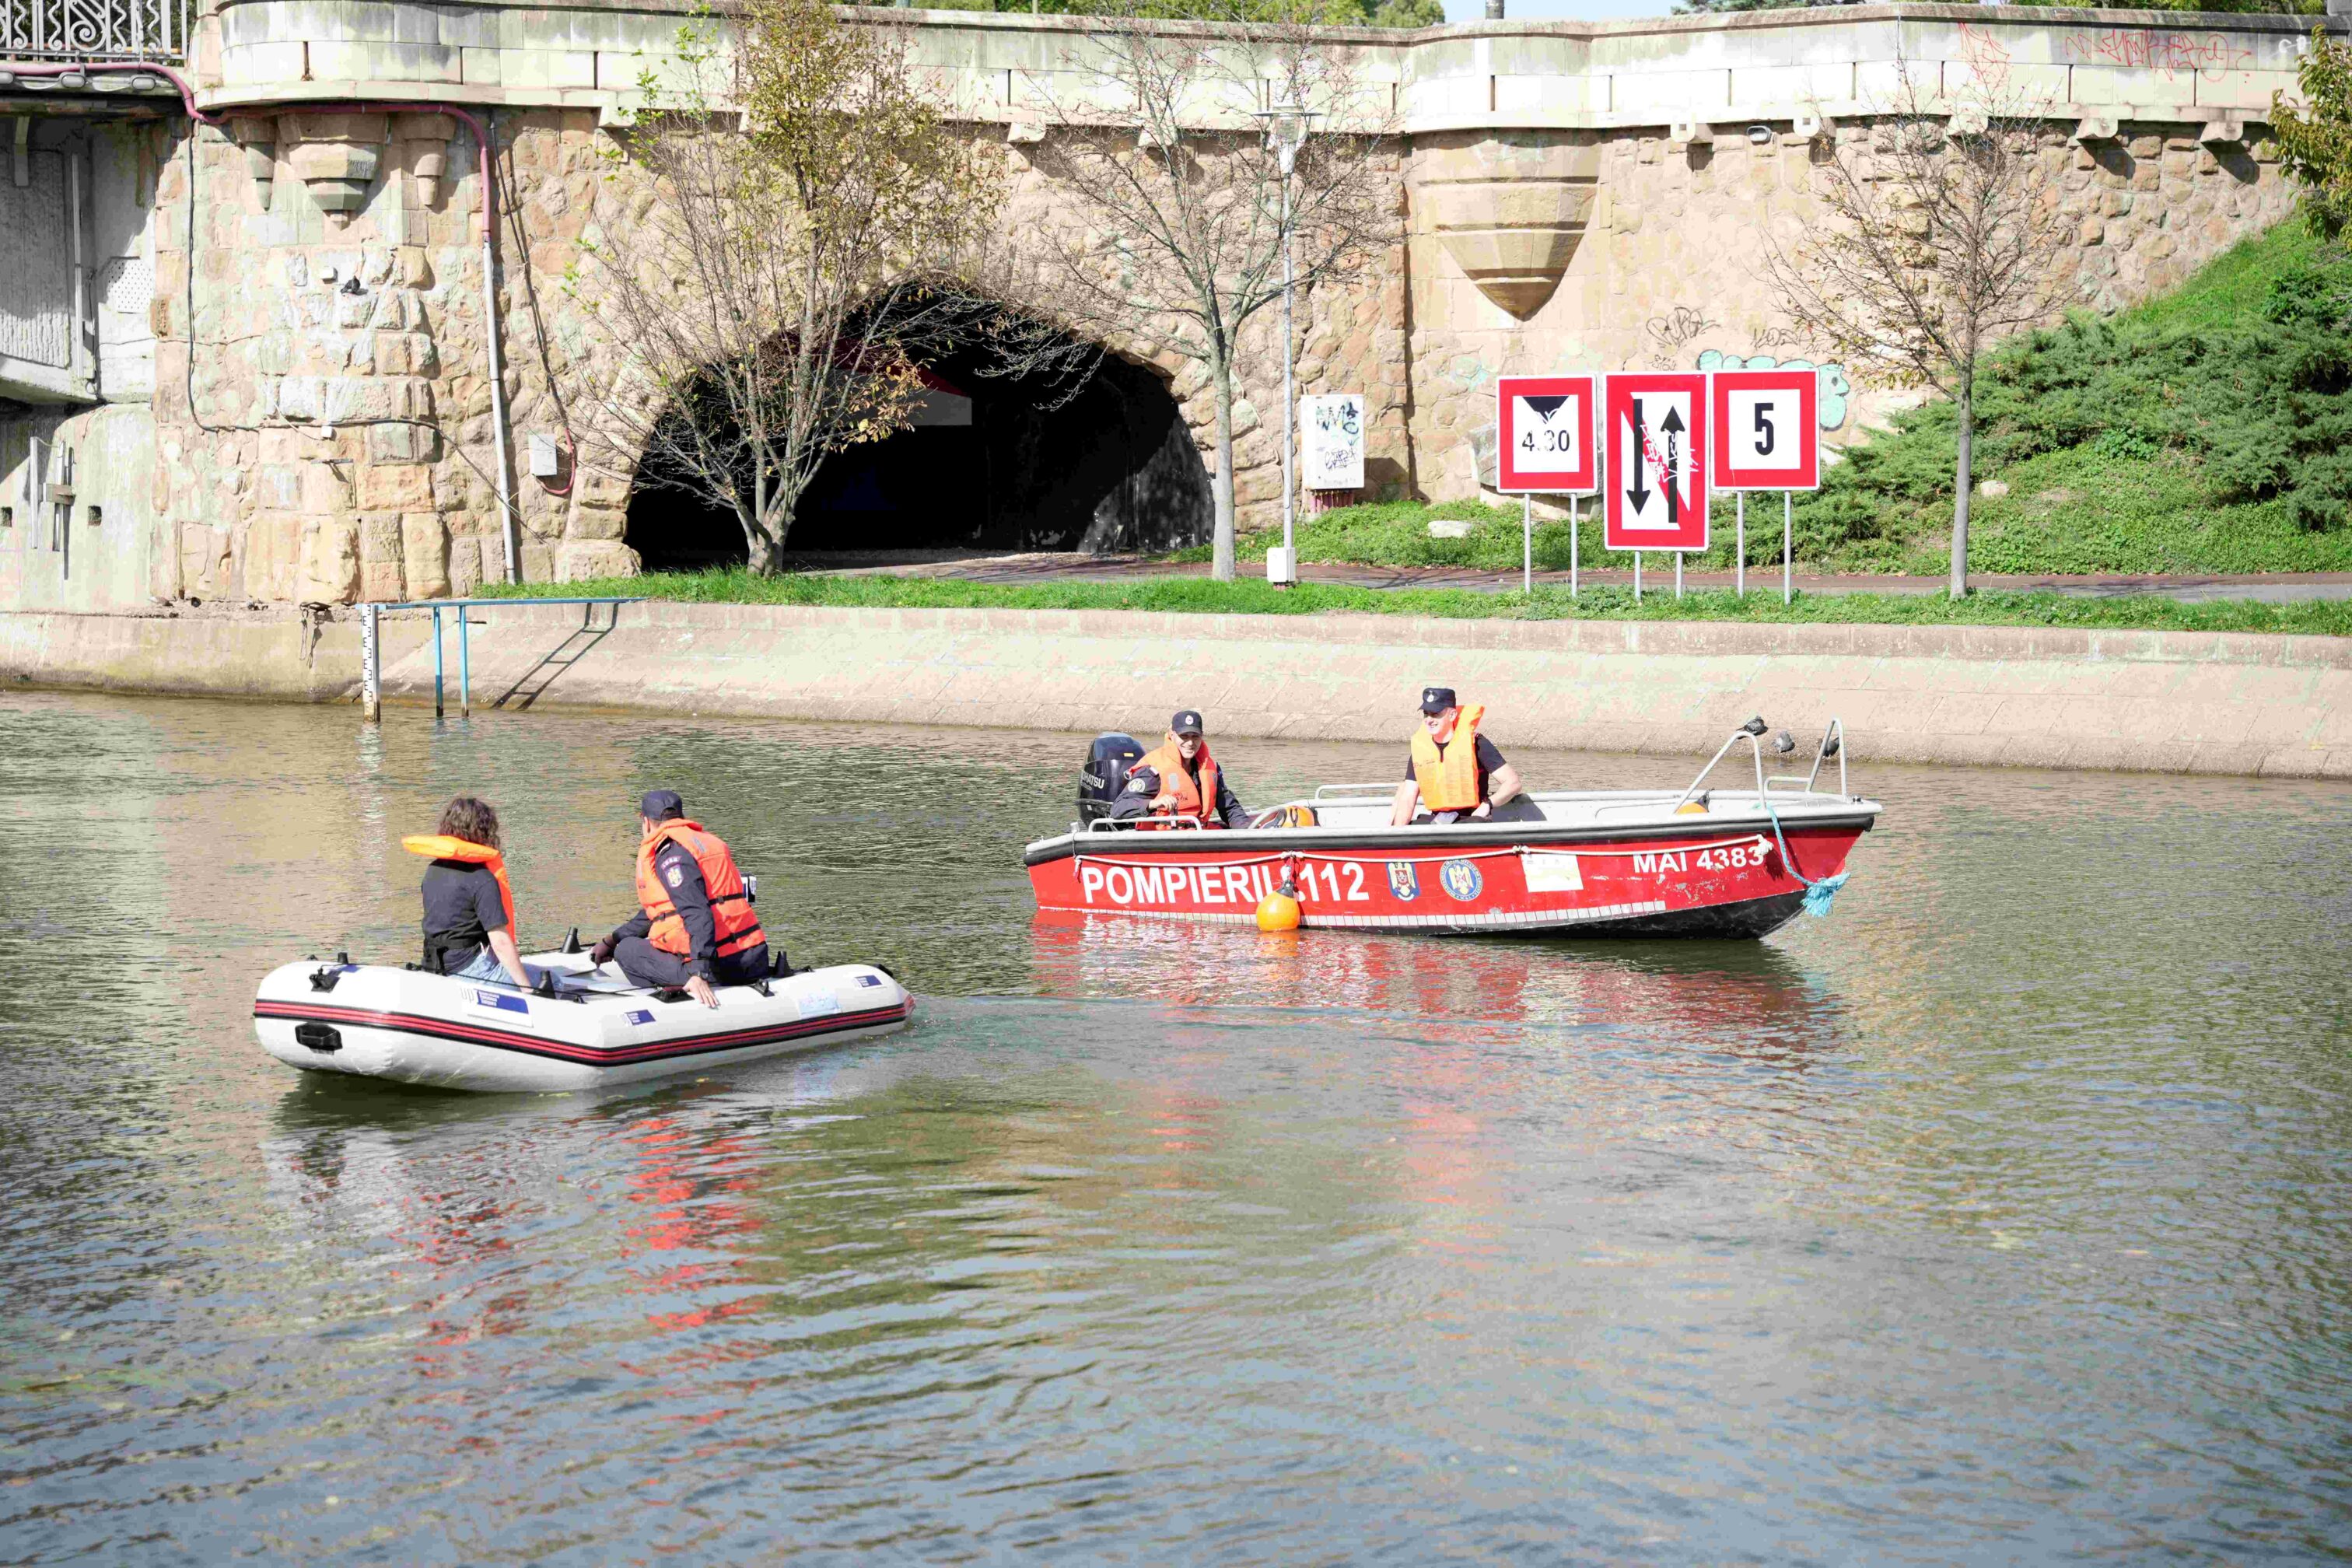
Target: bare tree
{"x":1940,"y":230}
{"x":788,"y":231}
{"x":1176,"y":161}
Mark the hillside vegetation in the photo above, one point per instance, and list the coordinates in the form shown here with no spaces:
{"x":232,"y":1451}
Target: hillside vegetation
{"x":2204,"y":431}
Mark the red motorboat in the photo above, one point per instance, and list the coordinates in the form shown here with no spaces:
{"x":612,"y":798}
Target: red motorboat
{"x":1695,"y":862}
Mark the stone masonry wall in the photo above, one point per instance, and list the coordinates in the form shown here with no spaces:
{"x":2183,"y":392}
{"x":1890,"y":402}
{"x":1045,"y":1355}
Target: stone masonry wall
{"x":334,"y":440}
{"x":338,"y":445}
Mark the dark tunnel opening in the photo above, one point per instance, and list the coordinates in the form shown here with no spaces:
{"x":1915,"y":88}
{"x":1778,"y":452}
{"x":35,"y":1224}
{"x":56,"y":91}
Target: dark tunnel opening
{"x":993,"y":462}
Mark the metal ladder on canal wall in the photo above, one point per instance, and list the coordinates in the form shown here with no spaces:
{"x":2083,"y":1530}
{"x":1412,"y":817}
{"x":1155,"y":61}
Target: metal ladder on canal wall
{"x":534,"y":681}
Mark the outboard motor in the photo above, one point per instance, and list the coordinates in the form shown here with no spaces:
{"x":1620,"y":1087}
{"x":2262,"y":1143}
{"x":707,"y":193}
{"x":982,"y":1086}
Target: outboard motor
{"x":1109,"y":757}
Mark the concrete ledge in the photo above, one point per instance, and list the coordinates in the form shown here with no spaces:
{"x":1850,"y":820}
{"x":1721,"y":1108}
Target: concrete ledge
{"x":2006,"y":696}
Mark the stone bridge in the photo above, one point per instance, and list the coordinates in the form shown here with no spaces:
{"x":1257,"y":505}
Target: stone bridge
{"x":248,"y":358}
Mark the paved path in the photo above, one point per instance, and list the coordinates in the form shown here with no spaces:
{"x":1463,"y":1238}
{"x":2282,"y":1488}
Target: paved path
{"x":1072,"y":566}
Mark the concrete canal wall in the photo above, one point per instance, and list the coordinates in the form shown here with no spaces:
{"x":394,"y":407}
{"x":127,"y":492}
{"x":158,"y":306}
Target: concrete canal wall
{"x":2160,"y":701}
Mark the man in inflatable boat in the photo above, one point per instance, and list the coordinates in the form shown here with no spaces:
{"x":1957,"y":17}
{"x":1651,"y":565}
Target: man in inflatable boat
{"x":1181,"y":779}
{"x":1455,"y":773}
{"x":696,"y":925}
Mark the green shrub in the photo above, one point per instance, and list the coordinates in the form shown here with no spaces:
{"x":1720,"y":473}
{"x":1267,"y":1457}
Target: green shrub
{"x":2237,"y":405}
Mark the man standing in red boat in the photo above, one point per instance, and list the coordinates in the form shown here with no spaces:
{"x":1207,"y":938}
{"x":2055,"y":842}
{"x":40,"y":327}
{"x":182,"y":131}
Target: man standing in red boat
{"x":1190,"y":781}
{"x":1455,"y":773}
{"x":697,"y":926}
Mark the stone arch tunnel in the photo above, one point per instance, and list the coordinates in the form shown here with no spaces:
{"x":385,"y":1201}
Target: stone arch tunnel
{"x":1097,"y":460}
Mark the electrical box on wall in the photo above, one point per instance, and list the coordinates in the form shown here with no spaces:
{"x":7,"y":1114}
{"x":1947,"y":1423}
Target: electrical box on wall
{"x":546,"y":462}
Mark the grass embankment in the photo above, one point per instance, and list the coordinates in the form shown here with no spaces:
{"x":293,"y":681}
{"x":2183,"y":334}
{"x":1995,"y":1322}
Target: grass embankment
{"x":1195,"y":596}
{"x":2208,"y":431}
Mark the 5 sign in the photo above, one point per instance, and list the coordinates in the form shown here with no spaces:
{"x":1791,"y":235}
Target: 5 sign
{"x":1765,"y":434}
{"x":1544,"y":425}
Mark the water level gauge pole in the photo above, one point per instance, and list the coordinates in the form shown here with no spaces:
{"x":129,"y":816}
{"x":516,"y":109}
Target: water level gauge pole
{"x":1637,"y":576}
{"x":1739,"y":567}
{"x":436,"y":661}
{"x":1678,"y":575}
{"x":371,"y":668}
{"x":1527,"y":544}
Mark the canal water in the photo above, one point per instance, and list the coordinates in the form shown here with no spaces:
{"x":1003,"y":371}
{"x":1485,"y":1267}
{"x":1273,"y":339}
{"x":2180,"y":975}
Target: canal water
{"x":2001,"y":1215}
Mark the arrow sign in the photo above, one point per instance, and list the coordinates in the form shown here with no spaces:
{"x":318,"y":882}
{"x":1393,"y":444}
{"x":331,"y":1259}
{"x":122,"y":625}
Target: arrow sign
{"x":1637,"y":491}
{"x":1673,"y":426}
{"x":1543,"y":434}
{"x":1657,"y":437}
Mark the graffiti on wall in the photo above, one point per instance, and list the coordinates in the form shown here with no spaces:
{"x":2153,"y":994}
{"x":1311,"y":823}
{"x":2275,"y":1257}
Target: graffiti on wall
{"x":2206,"y":55}
{"x":1673,"y":333}
{"x":1986,"y":57}
{"x":1837,"y":387}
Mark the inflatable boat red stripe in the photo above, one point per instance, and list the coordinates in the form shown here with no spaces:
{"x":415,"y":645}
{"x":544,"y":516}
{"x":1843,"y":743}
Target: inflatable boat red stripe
{"x":530,"y":1044}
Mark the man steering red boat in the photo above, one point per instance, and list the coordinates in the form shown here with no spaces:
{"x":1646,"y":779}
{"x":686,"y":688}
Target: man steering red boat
{"x":1181,"y":779}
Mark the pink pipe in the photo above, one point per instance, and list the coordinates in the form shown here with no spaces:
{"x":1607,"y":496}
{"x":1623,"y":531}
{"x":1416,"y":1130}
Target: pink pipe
{"x":489,"y":237}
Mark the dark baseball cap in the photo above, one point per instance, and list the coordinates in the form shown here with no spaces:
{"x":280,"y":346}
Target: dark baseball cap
{"x":1187,"y":722}
{"x":661,"y":802}
{"x":1437,"y":699}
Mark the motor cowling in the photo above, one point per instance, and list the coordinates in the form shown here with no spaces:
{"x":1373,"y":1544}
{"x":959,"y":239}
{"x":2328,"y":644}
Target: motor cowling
{"x":1108,"y":759}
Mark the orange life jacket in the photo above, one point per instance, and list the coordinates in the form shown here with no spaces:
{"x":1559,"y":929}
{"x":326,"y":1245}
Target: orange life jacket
{"x":1448,"y":775}
{"x":1179,"y":794}
{"x":730,"y":906}
{"x":441,"y":846}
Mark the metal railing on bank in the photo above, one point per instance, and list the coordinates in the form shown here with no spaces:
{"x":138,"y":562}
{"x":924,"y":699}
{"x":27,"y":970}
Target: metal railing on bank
{"x":552,"y":664}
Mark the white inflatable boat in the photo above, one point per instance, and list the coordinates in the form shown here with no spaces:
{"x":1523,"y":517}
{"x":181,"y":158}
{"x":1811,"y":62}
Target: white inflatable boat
{"x":412,"y":1026}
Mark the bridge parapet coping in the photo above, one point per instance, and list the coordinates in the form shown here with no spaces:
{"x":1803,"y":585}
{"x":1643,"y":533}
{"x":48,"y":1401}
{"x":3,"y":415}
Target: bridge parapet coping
{"x":1566,"y":74}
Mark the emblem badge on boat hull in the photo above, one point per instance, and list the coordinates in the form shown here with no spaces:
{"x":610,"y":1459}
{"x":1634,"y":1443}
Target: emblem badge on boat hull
{"x":1461,"y":880}
{"x":1403,"y":881}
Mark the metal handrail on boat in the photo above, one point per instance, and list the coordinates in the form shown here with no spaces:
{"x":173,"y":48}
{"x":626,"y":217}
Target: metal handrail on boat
{"x":1336,"y":791}
{"x":1752,"y":732}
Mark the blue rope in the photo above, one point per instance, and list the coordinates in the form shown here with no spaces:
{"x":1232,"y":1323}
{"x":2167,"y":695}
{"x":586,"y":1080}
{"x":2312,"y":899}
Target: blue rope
{"x":1819,"y":894}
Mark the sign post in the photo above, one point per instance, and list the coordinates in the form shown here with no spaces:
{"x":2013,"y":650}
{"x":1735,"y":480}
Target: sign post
{"x":1543,"y":429}
{"x":1767,"y":437}
{"x":1657,"y":455}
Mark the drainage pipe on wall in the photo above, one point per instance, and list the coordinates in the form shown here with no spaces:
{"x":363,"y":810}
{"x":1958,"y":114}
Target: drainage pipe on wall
{"x":512,"y":530}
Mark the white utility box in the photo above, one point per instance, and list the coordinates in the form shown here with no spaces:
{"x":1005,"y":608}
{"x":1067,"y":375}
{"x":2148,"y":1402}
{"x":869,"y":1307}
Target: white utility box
{"x":1282,"y":566}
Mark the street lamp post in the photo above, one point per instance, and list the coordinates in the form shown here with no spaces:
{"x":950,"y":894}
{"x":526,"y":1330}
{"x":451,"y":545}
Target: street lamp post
{"x":1287,"y":125}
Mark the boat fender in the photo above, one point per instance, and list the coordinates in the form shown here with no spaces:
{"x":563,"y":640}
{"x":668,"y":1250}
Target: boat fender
{"x":1278,"y":911}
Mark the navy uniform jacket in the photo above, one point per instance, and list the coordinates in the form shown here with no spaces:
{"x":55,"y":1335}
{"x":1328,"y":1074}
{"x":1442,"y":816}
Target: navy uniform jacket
{"x":675,"y":865}
{"x":1135,"y":801}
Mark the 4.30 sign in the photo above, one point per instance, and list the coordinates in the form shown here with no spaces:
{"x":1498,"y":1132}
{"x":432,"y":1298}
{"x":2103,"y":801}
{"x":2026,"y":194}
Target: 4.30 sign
{"x":1543,"y":426}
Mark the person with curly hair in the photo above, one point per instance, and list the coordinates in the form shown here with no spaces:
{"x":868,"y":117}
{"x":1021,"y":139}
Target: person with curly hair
{"x":469,"y":911}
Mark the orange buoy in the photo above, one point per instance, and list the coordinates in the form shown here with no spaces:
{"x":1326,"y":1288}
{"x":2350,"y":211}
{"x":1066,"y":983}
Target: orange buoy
{"x":1278,"y":911}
